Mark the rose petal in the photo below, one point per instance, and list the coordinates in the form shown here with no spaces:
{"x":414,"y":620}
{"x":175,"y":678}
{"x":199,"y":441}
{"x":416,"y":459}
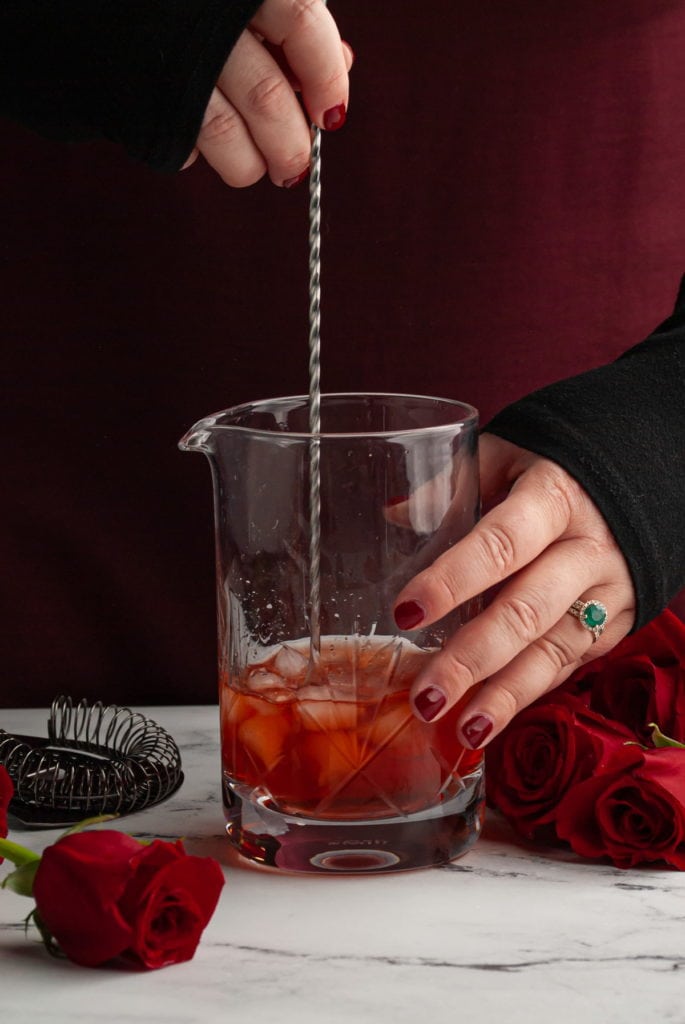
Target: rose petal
{"x":547,"y":747}
{"x":77,"y":887}
{"x":633,"y":813}
{"x":641,"y":680}
{"x":6,"y":793}
{"x":169,"y":901}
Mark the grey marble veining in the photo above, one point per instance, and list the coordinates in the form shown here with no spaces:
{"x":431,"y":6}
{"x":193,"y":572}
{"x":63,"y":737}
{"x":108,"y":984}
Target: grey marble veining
{"x":506,"y":934}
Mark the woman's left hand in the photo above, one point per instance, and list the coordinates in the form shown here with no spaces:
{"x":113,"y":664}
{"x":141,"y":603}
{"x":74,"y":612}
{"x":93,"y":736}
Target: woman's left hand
{"x":548,"y":545}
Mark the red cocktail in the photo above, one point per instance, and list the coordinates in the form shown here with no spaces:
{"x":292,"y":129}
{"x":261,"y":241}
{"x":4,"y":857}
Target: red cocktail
{"x":345,"y":746}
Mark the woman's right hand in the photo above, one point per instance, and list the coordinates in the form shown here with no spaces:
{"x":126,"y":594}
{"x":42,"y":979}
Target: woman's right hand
{"x":254,"y":123}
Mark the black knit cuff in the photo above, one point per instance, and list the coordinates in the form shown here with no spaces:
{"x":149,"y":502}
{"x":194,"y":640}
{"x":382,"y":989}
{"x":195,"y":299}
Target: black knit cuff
{"x":620,"y":431}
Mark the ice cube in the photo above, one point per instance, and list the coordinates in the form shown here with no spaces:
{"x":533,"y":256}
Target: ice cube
{"x":380,"y":654}
{"x":390,"y":724}
{"x":290,"y":663}
{"x":314,"y":692}
{"x":319,"y":712}
{"x":342,"y":687}
{"x":335,"y":755}
{"x":265,"y":738}
{"x":260,"y":680}
{"x":279,"y":695}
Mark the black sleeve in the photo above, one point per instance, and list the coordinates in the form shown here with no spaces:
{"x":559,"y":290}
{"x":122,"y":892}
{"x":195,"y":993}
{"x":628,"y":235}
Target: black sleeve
{"x":620,"y":431}
{"x":137,"y":72}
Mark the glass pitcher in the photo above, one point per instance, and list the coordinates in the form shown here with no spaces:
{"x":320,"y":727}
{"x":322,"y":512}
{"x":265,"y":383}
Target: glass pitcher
{"x":325,"y":767}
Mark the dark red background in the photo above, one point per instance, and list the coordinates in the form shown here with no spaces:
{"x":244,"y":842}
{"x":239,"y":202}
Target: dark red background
{"x":504,"y":208}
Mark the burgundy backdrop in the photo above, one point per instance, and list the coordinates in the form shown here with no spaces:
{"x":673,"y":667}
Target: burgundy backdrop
{"x":504,"y":208}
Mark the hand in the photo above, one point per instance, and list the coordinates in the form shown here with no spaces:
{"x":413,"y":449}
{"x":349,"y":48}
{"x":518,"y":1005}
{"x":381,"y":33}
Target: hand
{"x":254,"y":122}
{"x":549,"y":545}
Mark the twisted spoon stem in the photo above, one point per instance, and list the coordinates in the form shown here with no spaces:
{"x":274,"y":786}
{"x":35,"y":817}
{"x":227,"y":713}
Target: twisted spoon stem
{"x":315,"y":400}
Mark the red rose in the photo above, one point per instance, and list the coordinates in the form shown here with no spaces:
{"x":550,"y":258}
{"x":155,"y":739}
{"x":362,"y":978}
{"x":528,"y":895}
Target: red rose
{"x":6,"y":792}
{"x":634,"y":812}
{"x":642,"y":680}
{"x":103,"y":894}
{"x":542,"y":752}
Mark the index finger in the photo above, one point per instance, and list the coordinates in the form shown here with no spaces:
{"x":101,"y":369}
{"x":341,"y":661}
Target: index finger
{"x":309,"y":38}
{"x":536,"y":512}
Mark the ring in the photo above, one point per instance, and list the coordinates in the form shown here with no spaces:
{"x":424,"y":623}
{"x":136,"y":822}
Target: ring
{"x":592,"y":615}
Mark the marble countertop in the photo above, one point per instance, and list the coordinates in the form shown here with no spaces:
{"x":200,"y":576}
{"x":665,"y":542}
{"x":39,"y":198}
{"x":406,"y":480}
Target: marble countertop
{"x":506,"y":934}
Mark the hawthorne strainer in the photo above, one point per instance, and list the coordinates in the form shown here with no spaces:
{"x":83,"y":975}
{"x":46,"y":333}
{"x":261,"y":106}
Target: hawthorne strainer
{"x":96,"y":759}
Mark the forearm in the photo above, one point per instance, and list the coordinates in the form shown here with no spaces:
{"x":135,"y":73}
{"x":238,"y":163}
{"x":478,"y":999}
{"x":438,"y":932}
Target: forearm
{"x":620,"y":431}
{"x":137,"y":72}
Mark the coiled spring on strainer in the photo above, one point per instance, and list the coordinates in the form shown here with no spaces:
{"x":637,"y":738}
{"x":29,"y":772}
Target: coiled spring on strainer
{"x":96,"y":760}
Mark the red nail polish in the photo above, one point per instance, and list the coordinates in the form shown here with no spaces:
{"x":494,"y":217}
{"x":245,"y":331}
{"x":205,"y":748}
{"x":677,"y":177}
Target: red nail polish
{"x":292,"y":182}
{"x":399,"y":499}
{"x":476,"y":730}
{"x":430,"y":702}
{"x":335,"y":118}
{"x":409,"y":614}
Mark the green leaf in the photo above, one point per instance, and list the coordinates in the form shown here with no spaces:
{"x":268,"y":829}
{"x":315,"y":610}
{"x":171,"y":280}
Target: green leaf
{"x":21,"y":880}
{"x":17,"y":854}
{"x":659,"y":740}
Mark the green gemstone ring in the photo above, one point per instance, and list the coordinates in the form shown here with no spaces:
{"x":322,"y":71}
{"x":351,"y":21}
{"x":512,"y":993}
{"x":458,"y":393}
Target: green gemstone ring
{"x":592,"y":615}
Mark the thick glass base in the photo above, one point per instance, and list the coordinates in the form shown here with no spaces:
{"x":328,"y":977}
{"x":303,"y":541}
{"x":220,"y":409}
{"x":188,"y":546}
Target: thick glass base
{"x":434,"y":836}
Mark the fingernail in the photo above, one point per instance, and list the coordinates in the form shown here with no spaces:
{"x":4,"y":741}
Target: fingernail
{"x":476,"y":730}
{"x":292,"y":182}
{"x":409,"y":614}
{"x":335,"y":118}
{"x":429,"y":702}
{"x":399,"y":499}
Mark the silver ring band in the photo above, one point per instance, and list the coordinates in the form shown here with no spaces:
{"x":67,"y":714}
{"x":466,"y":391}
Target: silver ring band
{"x":592,"y":615}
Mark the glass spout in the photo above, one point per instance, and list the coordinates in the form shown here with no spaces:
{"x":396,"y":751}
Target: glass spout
{"x":200,"y":437}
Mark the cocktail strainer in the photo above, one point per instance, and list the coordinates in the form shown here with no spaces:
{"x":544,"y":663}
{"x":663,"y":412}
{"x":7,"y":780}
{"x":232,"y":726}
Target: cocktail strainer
{"x":95,"y":760}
